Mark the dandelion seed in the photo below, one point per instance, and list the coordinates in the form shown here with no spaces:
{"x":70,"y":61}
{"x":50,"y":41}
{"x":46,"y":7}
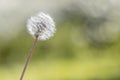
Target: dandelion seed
{"x":41,"y":25}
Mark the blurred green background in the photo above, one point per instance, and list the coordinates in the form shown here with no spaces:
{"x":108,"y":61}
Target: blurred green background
{"x":86,"y":45}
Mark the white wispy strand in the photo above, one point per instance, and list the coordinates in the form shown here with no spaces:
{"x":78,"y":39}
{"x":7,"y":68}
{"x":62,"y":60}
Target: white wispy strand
{"x":41,"y":25}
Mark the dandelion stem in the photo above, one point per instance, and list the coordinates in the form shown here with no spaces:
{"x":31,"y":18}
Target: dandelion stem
{"x":29,"y":57}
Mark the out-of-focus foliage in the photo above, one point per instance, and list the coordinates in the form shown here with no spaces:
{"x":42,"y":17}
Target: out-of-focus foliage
{"x":67,"y":56}
{"x":85,"y":47}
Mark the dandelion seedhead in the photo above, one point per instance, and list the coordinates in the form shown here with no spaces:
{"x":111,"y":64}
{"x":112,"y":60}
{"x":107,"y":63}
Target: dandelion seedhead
{"x":41,"y":25}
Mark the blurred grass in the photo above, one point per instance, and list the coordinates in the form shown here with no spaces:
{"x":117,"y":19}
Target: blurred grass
{"x":100,"y":69}
{"x":67,"y":56}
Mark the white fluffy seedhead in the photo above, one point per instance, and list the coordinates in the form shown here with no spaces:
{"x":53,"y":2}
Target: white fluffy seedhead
{"x":41,"y":25}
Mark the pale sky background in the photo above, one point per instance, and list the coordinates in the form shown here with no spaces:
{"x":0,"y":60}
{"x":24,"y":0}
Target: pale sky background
{"x":14,"y":13}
